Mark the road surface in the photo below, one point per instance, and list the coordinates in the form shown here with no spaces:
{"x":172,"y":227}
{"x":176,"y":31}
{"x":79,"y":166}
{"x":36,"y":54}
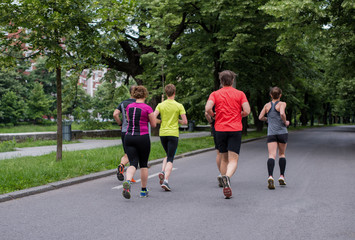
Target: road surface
{"x":317,"y":203}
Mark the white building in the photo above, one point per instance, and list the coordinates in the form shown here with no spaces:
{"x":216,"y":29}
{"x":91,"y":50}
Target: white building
{"x":90,"y":80}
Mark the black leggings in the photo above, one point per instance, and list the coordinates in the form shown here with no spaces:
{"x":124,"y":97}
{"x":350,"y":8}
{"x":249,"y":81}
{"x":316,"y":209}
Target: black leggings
{"x":138,"y":149}
{"x":170,"y":144}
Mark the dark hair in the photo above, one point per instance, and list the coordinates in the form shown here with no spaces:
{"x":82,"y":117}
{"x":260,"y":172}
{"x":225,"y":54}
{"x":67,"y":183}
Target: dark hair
{"x":139,"y":92}
{"x":227,"y":77}
{"x":170,"y":89}
{"x":275,"y":92}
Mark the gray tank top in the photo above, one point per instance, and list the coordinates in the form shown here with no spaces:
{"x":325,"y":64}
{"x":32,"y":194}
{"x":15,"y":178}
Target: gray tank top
{"x":275,"y":125}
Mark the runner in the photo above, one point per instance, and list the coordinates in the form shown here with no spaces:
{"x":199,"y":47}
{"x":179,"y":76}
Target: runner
{"x":137,"y":141}
{"x":277,"y":134}
{"x":116,"y":115}
{"x":231,"y":106}
{"x":170,"y":111}
{"x":211,"y":121}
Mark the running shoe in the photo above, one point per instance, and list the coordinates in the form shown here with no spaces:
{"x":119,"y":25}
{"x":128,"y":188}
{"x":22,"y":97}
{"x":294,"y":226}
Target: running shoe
{"x":227,"y":190}
{"x":220,"y":182}
{"x":166,"y":186}
{"x":126,"y":190}
{"x":161,"y":177}
{"x":144,"y":193}
{"x":270,"y":182}
{"x":120,"y":171}
{"x":282,"y":181}
{"x":133,"y":181}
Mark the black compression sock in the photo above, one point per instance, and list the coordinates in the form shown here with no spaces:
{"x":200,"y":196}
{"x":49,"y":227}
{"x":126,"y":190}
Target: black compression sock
{"x":270,"y":166}
{"x":144,"y":189}
{"x":282,"y":164}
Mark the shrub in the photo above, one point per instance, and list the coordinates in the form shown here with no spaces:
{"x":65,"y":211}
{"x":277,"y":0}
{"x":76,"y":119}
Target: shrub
{"x":7,"y":146}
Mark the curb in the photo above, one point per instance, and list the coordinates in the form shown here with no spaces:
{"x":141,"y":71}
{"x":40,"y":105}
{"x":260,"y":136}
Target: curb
{"x":60,"y":184}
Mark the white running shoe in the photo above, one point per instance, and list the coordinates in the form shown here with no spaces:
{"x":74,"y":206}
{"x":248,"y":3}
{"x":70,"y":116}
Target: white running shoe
{"x":282,"y":181}
{"x":271,"y":184}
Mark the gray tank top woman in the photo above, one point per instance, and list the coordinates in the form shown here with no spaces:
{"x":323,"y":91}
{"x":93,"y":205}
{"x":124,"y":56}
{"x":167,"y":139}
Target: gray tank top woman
{"x":275,"y":124}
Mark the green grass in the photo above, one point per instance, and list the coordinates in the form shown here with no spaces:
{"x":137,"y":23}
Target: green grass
{"x":29,"y":128}
{"x":26,"y":172}
{"x":8,"y":146}
{"x":45,"y":128}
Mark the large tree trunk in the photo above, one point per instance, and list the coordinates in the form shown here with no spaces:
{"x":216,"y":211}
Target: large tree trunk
{"x":304,"y":111}
{"x":255,"y":111}
{"x":59,"y":114}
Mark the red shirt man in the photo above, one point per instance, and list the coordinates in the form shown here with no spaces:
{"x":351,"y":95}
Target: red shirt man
{"x":231,"y":105}
{"x":228,"y":103}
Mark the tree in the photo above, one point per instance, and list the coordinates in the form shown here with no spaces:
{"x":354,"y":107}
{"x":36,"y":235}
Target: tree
{"x":109,"y":94}
{"x":13,"y":79}
{"x":324,"y":29}
{"x":64,"y":31}
{"x":76,"y":102}
{"x":12,"y":108}
{"x":38,"y":103}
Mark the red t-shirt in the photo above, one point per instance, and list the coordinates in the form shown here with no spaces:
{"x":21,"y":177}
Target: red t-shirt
{"x":228,"y":106}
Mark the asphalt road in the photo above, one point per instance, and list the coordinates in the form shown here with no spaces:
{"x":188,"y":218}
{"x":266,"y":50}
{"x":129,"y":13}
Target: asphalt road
{"x":317,"y":203}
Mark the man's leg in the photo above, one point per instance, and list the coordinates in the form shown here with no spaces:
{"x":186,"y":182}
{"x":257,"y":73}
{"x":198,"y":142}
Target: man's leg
{"x":224,"y":162}
{"x":232,"y":163}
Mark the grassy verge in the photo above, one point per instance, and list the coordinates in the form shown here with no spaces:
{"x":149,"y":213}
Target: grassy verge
{"x":25,"y":172}
{"x":46,"y":128}
{"x":8,"y":146}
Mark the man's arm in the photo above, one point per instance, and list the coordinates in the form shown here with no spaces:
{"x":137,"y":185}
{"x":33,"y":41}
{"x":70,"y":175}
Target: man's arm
{"x":116,"y":116}
{"x":246,"y":109}
{"x":208,"y":118}
{"x":156,"y":114}
{"x":208,"y":108}
{"x":183,"y":120}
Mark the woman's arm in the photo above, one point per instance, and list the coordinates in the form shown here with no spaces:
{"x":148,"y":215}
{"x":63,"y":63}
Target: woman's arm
{"x":283,"y":114}
{"x":262,"y":114}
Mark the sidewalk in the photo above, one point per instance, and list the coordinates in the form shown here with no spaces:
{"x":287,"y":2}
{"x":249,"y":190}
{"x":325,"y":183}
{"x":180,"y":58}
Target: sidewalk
{"x":84,"y":144}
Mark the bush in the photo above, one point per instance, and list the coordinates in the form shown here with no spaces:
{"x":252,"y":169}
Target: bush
{"x":2,"y":125}
{"x":7,"y":146}
{"x":92,"y":124}
{"x":9,"y":125}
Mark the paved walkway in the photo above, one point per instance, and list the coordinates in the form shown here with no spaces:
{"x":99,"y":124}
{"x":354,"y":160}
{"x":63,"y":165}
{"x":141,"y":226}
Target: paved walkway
{"x":83,"y":145}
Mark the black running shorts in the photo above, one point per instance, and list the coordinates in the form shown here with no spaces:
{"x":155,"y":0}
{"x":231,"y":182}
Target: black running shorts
{"x":281,"y":138}
{"x":229,"y":141}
